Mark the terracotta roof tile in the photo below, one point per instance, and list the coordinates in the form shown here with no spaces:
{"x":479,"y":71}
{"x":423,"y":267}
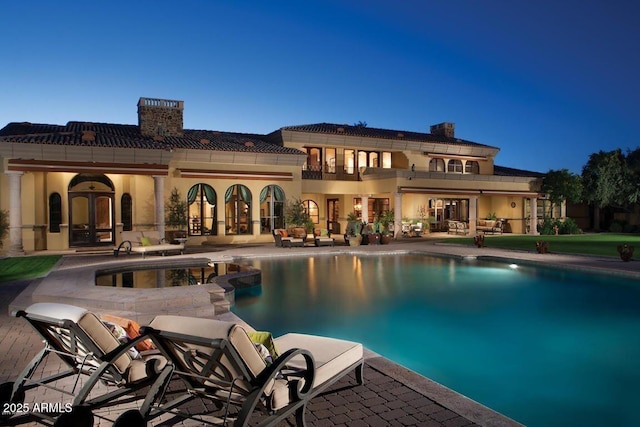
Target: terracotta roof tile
{"x":368,"y":132}
{"x":129,"y":136}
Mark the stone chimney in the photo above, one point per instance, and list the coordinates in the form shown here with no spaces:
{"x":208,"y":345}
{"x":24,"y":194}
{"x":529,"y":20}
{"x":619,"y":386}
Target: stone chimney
{"x":160,"y":117}
{"x":444,"y":129}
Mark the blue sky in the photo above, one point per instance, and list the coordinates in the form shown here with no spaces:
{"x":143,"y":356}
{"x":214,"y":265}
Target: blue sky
{"x":549,"y":82}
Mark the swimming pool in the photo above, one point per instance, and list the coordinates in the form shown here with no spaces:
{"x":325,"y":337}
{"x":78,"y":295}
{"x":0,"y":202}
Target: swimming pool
{"x":544,"y":347}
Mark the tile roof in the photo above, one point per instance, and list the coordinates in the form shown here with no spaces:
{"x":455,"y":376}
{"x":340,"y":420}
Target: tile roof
{"x":368,"y":132}
{"x":129,"y":136}
{"x":505,"y":171}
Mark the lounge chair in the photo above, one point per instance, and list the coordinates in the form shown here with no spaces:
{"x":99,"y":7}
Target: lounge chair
{"x":90,"y":355}
{"x":146,"y":242}
{"x":217,"y":361}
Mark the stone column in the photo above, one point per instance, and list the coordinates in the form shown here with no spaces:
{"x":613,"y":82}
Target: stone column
{"x":15,"y":213}
{"x":158,"y":187}
{"x":365,"y":208}
{"x":397,"y":211}
{"x":473,"y":214}
{"x":533,"y":209}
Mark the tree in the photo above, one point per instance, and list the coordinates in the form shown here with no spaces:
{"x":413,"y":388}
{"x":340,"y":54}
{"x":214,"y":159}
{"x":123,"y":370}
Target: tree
{"x":295,"y":214}
{"x":360,"y":124}
{"x":562,"y":185}
{"x":176,"y":210}
{"x":608,"y":181}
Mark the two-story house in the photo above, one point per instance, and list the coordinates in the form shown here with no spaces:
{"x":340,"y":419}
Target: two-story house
{"x":81,"y":184}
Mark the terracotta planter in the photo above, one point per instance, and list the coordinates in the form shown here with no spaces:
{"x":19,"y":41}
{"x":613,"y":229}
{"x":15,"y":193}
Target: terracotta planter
{"x":542,"y":247}
{"x":385,"y":239}
{"x":626,"y":252}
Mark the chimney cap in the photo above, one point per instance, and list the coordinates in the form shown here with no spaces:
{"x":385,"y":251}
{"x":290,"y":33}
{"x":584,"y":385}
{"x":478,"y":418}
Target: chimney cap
{"x":161,"y":103}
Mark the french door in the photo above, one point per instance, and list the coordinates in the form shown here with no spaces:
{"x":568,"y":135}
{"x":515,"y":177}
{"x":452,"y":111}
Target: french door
{"x":91,"y":216}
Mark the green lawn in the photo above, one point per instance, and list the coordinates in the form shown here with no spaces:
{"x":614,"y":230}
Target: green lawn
{"x":589,"y":244}
{"x":27,"y":267}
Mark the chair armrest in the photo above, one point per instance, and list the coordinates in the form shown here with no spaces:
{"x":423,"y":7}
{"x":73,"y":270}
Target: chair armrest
{"x":123,"y":348}
{"x":273,"y":370}
{"x":124,"y":245}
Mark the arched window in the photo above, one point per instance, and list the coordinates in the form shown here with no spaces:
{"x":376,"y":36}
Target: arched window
{"x":436,"y":165}
{"x":471,"y":166}
{"x":55,"y":212}
{"x":202,"y":210}
{"x":454,"y":166}
{"x":312,"y":210}
{"x":126,"y":212}
{"x":271,"y":208}
{"x":237,"y":208}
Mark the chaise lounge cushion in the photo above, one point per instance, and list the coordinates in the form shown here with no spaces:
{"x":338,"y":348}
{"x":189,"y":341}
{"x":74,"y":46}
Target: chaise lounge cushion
{"x":331,"y":356}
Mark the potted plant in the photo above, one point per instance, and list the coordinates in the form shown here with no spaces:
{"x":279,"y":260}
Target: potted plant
{"x":353,"y":232}
{"x":355,"y":239}
{"x":626,"y":252}
{"x":386,"y":220}
{"x":296,"y":218}
{"x":176,"y":215}
{"x":375,"y":232}
{"x":542,"y":246}
{"x":479,"y":240}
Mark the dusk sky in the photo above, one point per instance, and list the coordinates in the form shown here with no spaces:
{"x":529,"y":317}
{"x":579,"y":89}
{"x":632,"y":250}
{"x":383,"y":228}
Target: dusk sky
{"x":548,"y":82}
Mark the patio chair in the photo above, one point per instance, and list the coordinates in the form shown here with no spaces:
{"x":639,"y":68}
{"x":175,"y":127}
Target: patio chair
{"x":218,"y":362}
{"x":91,"y":356}
{"x":322,"y":237}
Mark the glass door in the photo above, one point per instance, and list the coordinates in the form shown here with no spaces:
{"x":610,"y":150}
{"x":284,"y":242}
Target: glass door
{"x":333,"y":215}
{"x":91,"y":219}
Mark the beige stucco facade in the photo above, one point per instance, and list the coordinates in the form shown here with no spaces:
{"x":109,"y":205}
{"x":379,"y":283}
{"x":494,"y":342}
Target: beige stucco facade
{"x":97,"y":189}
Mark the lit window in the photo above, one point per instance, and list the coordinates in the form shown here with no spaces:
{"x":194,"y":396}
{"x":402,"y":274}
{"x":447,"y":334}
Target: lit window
{"x":454,"y":166}
{"x":471,"y":166}
{"x":436,"y":165}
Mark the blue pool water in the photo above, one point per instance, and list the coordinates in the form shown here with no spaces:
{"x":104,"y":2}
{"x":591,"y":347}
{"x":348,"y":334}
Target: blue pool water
{"x":544,"y":347}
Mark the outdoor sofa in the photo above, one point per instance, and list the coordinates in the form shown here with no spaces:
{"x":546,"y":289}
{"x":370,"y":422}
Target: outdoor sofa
{"x":284,"y":240}
{"x":457,"y":227}
{"x":490,"y":226}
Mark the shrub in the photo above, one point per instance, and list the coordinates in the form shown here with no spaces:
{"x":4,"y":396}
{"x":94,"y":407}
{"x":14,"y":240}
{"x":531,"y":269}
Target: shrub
{"x":4,"y":225}
{"x":547,"y":227}
{"x":569,"y":226}
{"x":615,"y":227}
{"x":566,"y":226}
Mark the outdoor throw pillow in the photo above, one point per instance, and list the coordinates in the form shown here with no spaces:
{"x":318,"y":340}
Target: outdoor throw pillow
{"x":145,"y":241}
{"x":265,"y":339}
{"x":131,"y":328}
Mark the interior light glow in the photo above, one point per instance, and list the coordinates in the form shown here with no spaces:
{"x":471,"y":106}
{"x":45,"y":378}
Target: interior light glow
{"x":514,"y":266}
